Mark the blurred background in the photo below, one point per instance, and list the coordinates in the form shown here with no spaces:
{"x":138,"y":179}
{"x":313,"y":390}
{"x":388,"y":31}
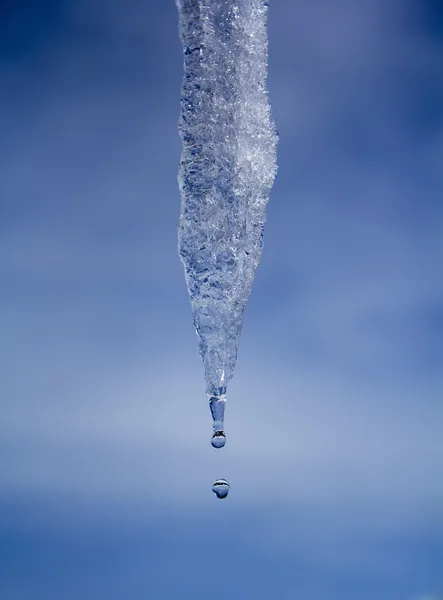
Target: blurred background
{"x":335,"y":414}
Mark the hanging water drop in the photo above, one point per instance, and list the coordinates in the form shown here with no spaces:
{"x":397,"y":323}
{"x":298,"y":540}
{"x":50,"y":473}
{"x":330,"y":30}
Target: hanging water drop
{"x":217,"y":406}
{"x":220,"y":487}
{"x":218,"y":439}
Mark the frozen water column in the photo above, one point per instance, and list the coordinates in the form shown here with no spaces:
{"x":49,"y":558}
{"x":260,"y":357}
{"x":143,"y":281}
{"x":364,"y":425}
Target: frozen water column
{"x":227,"y":169}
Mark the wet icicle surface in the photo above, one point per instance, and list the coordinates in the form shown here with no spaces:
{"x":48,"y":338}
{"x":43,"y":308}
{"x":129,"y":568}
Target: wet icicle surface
{"x":217,"y":406}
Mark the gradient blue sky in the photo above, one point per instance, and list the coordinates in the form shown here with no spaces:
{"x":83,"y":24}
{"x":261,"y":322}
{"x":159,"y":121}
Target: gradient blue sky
{"x":335,"y":414}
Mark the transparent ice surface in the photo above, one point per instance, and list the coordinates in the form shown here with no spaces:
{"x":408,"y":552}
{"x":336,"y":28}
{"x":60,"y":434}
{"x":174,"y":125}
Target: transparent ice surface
{"x":227,"y":169}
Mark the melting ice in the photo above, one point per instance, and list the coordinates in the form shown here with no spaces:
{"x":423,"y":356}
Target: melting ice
{"x":227,"y":169}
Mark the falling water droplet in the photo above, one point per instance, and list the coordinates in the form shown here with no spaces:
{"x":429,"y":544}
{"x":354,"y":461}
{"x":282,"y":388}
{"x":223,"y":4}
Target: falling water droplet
{"x":217,"y":406}
{"x":220,"y":487}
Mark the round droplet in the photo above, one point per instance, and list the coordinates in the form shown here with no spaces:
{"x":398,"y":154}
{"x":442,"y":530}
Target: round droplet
{"x":220,"y":487}
{"x":218,"y":439}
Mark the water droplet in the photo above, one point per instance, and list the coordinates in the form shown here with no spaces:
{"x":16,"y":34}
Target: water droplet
{"x":220,"y":487}
{"x":218,"y":439}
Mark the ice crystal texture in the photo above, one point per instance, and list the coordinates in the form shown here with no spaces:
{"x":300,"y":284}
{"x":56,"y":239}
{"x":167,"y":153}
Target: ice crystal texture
{"x":227,"y":169}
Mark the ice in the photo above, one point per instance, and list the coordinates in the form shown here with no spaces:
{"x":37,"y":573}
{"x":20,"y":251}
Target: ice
{"x":227,"y":169}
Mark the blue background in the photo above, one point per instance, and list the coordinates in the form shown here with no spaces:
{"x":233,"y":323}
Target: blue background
{"x":334,"y":417}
